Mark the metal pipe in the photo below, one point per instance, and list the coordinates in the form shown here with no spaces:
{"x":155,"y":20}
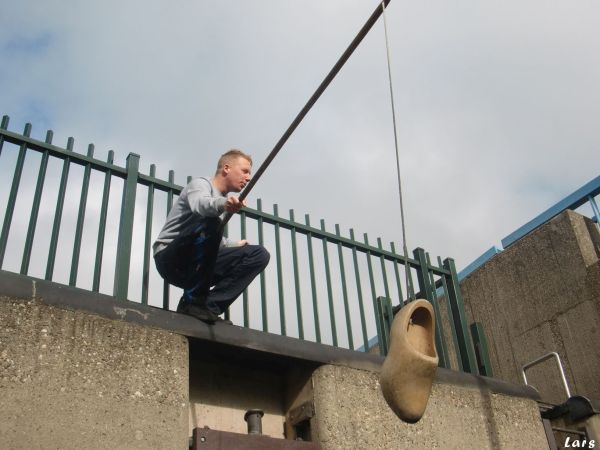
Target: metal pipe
{"x":254,"y":419}
{"x":544,"y":358}
{"x":324,"y":84}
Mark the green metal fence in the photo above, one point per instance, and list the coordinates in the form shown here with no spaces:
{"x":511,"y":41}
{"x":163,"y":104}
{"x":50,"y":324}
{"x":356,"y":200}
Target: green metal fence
{"x":306,"y":292}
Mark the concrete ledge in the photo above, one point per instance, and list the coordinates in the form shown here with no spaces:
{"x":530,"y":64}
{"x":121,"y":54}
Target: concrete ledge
{"x":256,"y":345}
{"x":70,"y":380}
{"x":350,"y":412}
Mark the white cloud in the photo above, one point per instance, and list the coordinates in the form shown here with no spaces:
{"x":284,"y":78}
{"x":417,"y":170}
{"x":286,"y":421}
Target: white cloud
{"x":497,"y":103}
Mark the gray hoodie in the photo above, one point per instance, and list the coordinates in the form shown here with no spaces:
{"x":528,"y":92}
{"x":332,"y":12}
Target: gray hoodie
{"x":199,"y":199}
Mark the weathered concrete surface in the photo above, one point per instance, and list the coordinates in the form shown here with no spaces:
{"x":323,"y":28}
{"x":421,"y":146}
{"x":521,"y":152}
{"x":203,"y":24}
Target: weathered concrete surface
{"x":351,"y":413}
{"x":542,"y":294}
{"x":82,"y":370}
{"x":72,"y":380}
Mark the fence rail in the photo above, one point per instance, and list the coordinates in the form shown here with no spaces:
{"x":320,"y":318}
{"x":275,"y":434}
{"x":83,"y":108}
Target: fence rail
{"x":302,"y":276}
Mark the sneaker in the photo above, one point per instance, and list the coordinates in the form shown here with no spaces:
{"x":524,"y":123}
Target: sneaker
{"x":200,"y":312}
{"x":213,"y":308}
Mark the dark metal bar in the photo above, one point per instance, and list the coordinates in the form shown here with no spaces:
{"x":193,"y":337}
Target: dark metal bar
{"x":455,"y":301}
{"x":397,"y":273}
{"x":329,"y":288}
{"x":279,"y":274}
{"x":373,"y":290}
{"x":313,"y":99}
{"x":411,"y":285}
{"x":245,"y":294}
{"x":263,"y":282}
{"x":344,"y":291}
{"x":384,"y":316}
{"x":297,"y":280}
{"x":123,"y":262}
{"x":428,"y":291}
{"x":481,"y":349}
{"x":436,"y":304}
{"x":455,"y":341}
{"x":313,"y":284}
{"x":570,"y":431}
{"x":227,"y":312}
{"x":148,"y":239}
{"x":80,"y":218}
{"x":3,"y":127}
{"x":35,"y":208}
{"x":12,"y":198}
{"x":549,"y":435}
{"x":60,"y":202}
{"x":383,"y":271}
{"x":170,"y":195}
{"x":102,"y":224}
{"x":361,"y":306}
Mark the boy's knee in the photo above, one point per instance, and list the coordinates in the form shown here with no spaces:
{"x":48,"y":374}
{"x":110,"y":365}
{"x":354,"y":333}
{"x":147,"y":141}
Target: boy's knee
{"x":262,"y":255}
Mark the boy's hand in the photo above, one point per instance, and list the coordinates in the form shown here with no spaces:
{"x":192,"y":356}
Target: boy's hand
{"x":233,"y":204}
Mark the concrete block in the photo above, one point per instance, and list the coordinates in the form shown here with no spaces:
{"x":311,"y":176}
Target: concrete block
{"x":545,"y":376}
{"x":542,"y":294}
{"x":351,"y":413}
{"x":72,"y":380}
{"x":580,"y":332}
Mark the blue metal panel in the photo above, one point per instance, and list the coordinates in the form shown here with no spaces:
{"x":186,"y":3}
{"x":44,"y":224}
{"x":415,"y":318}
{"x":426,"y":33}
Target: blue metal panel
{"x":595,"y":209}
{"x":479,"y":262}
{"x":573,"y":201}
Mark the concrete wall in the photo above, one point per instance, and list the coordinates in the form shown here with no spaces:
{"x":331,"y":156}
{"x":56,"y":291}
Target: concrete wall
{"x":82,"y":370}
{"x":352,"y":414}
{"x":72,"y":380}
{"x":542,"y":294}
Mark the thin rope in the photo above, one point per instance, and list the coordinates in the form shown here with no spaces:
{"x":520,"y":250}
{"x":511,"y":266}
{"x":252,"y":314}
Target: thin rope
{"x":409,"y":293}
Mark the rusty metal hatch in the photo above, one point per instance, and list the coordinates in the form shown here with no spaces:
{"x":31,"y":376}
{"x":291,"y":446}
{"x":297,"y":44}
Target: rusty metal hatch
{"x":207,"y":439}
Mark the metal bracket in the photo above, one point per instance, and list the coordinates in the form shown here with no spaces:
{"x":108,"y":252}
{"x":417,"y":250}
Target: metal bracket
{"x":305,"y":411}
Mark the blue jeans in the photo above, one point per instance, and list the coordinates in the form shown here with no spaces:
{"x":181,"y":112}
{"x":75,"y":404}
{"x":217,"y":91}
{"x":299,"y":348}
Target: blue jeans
{"x":196,"y":264}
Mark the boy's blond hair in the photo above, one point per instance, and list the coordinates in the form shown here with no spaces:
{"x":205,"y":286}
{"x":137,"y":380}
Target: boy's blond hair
{"x":230,"y":156}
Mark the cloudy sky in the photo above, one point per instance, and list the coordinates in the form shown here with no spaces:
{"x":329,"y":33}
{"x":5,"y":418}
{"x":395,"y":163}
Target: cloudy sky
{"x":497,"y":102}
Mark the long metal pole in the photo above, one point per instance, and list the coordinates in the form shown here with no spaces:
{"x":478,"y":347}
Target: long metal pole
{"x":330,"y":76}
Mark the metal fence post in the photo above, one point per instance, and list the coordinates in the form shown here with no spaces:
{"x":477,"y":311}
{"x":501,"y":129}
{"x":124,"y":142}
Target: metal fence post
{"x":481,"y":349}
{"x":12,"y":198}
{"x":126,"y":228}
{"x":384,"y":316}
{"x":35,"y":208}
{"x":60,"y":203}
{"x":428,"y":291}
{"x":455,"y":301}
{"x":81,"y":218}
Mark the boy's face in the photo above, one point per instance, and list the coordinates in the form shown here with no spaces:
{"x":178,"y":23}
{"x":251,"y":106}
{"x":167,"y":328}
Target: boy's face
{"x":237,"y":174}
